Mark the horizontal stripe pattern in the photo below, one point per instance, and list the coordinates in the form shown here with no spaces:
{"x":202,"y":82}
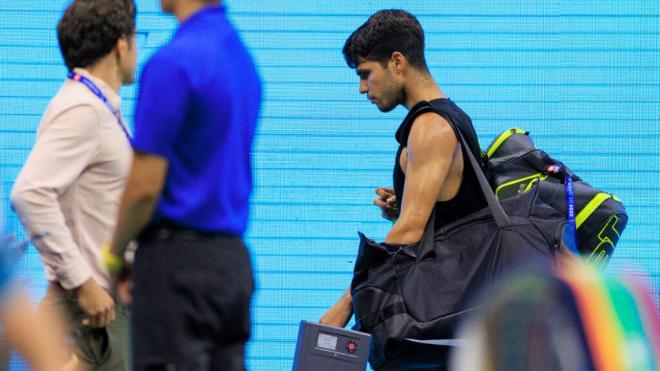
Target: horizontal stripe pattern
{"x":582,"y":77}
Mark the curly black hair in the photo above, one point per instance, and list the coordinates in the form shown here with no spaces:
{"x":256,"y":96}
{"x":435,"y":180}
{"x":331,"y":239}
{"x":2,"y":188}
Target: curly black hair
{"x":89,"y":29}
{"x":386,"y":32}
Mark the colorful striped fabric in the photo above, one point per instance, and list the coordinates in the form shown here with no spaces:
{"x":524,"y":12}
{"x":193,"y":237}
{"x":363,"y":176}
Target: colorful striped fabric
{"x":572,"y":319}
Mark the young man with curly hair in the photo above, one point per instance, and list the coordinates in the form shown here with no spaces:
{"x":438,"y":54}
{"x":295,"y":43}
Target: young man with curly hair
{"x":69,"y":188}
{"x":431,"y":170}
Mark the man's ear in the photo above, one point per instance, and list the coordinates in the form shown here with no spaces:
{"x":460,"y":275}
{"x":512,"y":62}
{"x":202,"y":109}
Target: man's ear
{"x":398,"y":62}
{"x":123,"y":46}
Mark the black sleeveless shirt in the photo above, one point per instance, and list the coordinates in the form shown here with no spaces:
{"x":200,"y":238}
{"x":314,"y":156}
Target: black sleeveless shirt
{"x":469,"y":197}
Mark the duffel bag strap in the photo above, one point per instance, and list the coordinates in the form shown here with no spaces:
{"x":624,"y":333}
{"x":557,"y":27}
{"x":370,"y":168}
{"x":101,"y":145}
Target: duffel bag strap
{"x":496,"y":209}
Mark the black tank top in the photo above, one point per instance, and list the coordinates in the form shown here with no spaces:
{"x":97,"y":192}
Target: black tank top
{"x":469,"y":197}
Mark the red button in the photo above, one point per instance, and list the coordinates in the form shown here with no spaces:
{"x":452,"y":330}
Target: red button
{"x":351,"y":347}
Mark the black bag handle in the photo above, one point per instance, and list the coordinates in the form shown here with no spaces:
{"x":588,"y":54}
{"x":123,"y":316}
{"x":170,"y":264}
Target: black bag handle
{"x":500,"y":216}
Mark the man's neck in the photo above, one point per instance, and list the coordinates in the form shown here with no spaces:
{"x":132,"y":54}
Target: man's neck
{"x":421,"y":87}
{"x":108,"y":71}
{"x":185,"y":9}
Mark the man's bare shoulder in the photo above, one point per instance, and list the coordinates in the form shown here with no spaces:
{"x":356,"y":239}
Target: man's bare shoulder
{"x":431,"y":129}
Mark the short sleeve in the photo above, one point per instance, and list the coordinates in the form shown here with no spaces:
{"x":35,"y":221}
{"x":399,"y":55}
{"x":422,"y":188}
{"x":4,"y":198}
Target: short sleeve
{"x":162,"y":105}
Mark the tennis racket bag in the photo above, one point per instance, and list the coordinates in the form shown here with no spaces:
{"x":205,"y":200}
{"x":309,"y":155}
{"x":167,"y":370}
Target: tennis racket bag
{"x":515,"y":165}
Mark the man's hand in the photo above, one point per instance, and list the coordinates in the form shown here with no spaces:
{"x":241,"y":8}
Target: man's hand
{"x":120,"y":274}
{"x":96,"y":303}
{"x":386,"y":200}
{"x":340,"y":313}
{"x":122,"y":285}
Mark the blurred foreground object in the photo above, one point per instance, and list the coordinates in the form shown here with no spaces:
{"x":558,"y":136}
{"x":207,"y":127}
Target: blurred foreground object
{"x":573,"y":319}
{"x":29,"y":334}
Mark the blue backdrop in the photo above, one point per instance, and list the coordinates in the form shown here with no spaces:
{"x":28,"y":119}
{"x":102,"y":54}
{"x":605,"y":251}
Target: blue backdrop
{"x":583,"y":77}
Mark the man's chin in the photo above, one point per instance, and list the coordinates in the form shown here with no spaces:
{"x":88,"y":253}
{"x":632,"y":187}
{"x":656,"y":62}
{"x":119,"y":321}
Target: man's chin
{"x":386,"y":109}
{"x":128,"y":80}
{"x":167,"y":6}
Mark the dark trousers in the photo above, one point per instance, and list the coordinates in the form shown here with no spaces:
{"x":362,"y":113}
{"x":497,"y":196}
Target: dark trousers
{"x":191,"y":301}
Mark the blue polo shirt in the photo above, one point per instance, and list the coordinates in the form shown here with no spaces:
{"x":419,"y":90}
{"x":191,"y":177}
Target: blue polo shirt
{"x":197,"y":107}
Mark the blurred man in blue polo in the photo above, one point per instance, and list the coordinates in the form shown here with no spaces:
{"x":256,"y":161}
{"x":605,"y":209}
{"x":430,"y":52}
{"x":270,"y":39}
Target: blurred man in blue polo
{"x":186,"y":199}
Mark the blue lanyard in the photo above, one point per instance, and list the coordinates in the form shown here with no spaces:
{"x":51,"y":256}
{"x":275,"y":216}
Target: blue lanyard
{"x":570,"y":213}
{"x":95,"y":89}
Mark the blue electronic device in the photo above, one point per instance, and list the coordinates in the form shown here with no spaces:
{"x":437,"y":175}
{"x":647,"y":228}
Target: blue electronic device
{"x":328,"y":348}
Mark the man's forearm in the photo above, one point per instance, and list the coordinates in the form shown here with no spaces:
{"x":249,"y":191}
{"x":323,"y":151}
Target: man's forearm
{"x":40,"y":214}
{"x":405,"y":232}
{"x":135,"y":212}
{"x":30,"y":335}
{"x":143,"y":189}
{"x":340,"y":313}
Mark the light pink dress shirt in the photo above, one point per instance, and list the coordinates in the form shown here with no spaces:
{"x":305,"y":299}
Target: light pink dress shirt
{"x":71,"y":184}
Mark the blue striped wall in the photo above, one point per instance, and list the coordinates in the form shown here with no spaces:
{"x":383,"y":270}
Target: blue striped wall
{"x":583,"y":77}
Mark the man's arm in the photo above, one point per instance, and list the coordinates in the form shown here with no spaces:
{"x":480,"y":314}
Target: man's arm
{"x":67,"y":145}
{"x":31,"y":334}
{"x":143,"y":188}
{"x":431,"y":149}
{"x":340,"y":313}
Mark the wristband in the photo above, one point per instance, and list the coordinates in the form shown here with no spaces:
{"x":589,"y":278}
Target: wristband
{"x":112,"y":262}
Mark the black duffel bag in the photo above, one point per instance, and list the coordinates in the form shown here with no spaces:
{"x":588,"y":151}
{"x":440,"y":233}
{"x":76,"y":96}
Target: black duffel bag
{"x":422,"y":291}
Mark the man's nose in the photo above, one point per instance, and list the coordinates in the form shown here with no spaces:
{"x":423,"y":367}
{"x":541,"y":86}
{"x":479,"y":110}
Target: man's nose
{"x":363,"y":87}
